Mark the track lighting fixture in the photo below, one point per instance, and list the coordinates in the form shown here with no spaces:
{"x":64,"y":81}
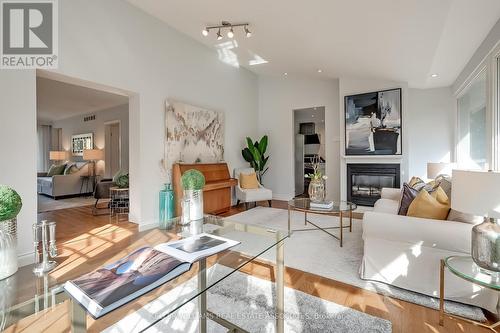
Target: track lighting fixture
{"x":247,"y":32}
{"x":230,"y":29}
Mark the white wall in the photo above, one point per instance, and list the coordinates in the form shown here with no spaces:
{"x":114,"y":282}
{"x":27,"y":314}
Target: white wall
{"x":76,"y":125}
{"x":278,"y":97}
{"x":431,"y":123}
{"x":115,"y":44}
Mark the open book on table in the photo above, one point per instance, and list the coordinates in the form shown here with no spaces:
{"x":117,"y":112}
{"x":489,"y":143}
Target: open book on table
{"x":113,"y":285}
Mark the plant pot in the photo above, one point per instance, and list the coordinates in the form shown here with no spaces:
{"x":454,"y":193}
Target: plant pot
{"x":486,"y":245}
{"x":195,"y":206}
{"x":8,"y":245}
{"x":317,"y":190}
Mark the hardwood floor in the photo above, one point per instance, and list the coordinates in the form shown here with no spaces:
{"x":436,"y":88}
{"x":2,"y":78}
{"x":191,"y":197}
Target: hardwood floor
{"x":86,"y":241}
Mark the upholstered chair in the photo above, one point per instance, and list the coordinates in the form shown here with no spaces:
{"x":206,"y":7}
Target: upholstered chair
{"x":248,"y":196}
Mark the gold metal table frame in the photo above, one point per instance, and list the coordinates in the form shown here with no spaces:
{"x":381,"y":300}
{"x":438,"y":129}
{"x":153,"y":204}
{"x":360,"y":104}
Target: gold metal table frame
{"x":441,"y":298}
{"x":350,"y":207}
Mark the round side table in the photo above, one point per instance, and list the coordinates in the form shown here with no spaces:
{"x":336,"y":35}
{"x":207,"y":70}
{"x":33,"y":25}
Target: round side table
{"x":119,"y":201}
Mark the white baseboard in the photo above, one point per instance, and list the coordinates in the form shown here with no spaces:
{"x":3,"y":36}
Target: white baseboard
{"x":148,"y":225}
{"x":26,"y":259}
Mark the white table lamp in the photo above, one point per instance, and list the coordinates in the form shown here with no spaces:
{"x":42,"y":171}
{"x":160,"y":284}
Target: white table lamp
{"x":93,"y":155}
{"x":440,"y":168}
{"x":58,"y":155}
{"x":478,"y":193}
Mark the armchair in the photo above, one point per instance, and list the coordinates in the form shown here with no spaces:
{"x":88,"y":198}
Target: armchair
{"x":251,"y":195}
{"x":101,"y":191}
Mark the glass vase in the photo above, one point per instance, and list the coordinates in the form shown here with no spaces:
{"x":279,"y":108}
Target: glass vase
{"x":166,"y":206}
{"x":316,"y":190}
{"x":8,"y":244}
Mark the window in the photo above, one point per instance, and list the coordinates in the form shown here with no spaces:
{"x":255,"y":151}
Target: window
{"x":472,"y":148}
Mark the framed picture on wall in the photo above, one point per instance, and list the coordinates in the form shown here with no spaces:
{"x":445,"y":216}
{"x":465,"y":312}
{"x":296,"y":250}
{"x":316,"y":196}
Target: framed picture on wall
{"x":373,"y":123}
{"x":80,"y":142}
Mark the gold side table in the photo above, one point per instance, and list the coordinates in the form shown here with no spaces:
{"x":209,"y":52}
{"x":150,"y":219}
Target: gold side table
{"x":465,"y":268}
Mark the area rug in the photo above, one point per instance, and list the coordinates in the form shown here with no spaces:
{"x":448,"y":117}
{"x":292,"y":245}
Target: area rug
{"x":46,"y":204}
{"x":248,"y":302}
{"x":317,"y":253}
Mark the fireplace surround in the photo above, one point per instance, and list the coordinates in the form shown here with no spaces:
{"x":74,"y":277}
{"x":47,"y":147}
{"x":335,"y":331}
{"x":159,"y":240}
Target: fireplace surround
{"x":365,"y":181}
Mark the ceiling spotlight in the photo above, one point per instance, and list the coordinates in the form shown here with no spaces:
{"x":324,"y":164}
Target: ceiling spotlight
{"x":230,"y":33}
{"x":320,"y":70}
{"x":204,"y":32}
{"x":219,"y":36}
{"x":434,"y":75}
{"x":285,"y":74}
{"x":247,"y":32}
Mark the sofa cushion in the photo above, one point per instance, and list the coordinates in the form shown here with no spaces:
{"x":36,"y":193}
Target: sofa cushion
{"x":248,"y":181}
{"x":457,"y":216}
{"x":433,"y":205}
{"x":70,"y":168}
{"x":386,"y":206}
{"x":56,"y":170}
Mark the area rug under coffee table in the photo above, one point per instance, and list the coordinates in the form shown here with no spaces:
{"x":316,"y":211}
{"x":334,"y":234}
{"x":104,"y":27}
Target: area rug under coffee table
{"x":315,"y":252}
{"x":248,"y":301}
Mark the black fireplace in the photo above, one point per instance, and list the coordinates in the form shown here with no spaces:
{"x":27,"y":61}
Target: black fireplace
{"x":365,"y":181}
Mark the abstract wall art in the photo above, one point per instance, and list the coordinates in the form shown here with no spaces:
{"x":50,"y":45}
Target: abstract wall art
{"x":193,"y":134}
{"x":373,"y":123}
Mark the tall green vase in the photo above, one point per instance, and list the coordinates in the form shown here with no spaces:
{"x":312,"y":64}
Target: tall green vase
{"x":166,"y":206}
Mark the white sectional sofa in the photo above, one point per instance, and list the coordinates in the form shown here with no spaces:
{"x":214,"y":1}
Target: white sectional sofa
{"x":60,"y":186}
{"x":406,"y":251}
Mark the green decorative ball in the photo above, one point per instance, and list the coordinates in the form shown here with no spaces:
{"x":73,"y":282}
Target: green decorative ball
{"x":193,"y":180}
{"x":10,"y":203}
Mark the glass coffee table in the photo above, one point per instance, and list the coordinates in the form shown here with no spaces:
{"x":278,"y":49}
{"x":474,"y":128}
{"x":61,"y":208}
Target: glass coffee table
{"x":29,"y":303}
{"x":465,"y":268}
{"x":340,"y":209}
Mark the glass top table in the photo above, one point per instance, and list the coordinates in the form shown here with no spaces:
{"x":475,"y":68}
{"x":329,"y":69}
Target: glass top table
{"x":339,"y":208}
{"x":464,"y":267}
{"x":31,"y":303}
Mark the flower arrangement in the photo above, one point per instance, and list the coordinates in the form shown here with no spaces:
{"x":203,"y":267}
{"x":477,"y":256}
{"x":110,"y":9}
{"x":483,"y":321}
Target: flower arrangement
{"x":10,"y":203}
{"x":192,"y":180}
{"x":316,"y":175}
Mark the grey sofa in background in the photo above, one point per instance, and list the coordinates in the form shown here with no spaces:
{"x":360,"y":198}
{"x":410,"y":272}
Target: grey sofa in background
{"x":60,"y":186}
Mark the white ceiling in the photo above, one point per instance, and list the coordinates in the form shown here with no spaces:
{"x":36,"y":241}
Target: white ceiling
{"x":58,"y":100}
{"x":400,"y":40}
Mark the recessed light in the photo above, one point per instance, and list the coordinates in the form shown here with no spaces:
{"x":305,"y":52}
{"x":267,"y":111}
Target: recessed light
{"x":204,"y":32}
{"x":434,"y":75}
{"x":230,"y":33}
{"x":320,"y":70}
{"x":285,"y":74}
{"x":312,"y":115}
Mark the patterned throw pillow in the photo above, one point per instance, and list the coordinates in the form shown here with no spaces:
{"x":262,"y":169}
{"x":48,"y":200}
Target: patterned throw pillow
{"x":70,"y":168}
{"x":408,"y":194}
{"x":56,"y":170}
{"x":445,"y":183}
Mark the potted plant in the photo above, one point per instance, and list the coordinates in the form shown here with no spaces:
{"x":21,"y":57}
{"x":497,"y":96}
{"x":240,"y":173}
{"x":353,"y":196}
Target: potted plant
{"x":316,"y":188}
{"x":192,"y":205}
{"x":10,"y":206}
{"x":254,"y":154}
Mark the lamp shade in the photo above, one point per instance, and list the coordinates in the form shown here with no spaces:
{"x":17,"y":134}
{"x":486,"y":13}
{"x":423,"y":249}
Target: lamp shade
{"x":476,"y":192}
{"x":436,"y":169}
{"x":93,"y":154}
{"x":58,"y":155}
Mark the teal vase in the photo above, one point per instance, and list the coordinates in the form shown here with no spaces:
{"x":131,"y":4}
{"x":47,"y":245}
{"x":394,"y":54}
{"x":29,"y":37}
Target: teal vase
{"x":166,"y":206}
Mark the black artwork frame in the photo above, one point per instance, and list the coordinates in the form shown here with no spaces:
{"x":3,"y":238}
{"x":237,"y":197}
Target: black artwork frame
{"x":387,"y":140}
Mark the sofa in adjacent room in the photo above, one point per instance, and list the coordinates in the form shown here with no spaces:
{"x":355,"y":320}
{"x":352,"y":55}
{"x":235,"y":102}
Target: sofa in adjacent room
{"x":405,"y":252}
{"x":63,"y":185}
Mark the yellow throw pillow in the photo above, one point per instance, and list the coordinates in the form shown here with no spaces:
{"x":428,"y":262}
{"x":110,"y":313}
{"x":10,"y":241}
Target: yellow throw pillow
{"x":430,"y":206}
{"x":249,"y":181}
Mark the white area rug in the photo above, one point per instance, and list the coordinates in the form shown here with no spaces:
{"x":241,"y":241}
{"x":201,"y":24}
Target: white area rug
{"x":46,"y":204}
{"x":320,"y":254}
{"x":249,"y":302}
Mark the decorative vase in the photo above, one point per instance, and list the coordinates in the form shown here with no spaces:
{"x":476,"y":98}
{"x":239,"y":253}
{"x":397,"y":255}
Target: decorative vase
{"x":8,"y":244}
{"x":166,"y":206}
{"x":195,"y":199}
{"x":486,"y":245}
{"x":317,"y":190}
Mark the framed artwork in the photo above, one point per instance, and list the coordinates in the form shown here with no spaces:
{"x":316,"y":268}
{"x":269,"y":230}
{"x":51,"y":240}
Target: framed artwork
{"x":193,"y":134}
{"x":80,"y":142}
{"x":373,"y":123}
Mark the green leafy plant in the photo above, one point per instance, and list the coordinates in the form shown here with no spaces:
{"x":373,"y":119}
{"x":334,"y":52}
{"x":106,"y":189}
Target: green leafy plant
{"x":316,"y":174}
{"x":192,"y":179}
{"x":121,"y":179}
{"x":254,"y":154}
{"x":10,"y":203}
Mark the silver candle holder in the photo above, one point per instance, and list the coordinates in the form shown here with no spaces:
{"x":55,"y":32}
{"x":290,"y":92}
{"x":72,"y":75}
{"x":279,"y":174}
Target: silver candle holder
{"x":44,"y":239}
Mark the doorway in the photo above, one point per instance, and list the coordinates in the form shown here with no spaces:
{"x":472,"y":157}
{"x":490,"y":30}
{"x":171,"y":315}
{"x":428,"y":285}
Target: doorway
{"x":309,"y":146}
{"x":112,"y":142}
